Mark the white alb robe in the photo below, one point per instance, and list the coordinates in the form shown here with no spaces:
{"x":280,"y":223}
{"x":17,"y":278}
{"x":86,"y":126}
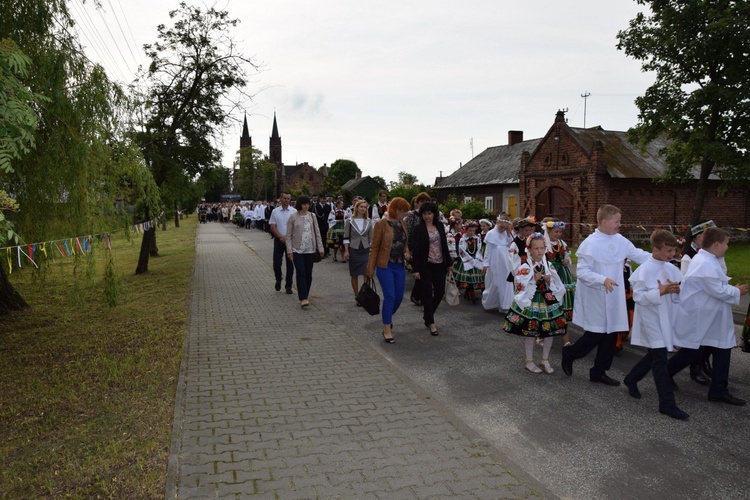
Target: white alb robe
{"x":653,"y":320}
{"x":602,"y":256}
{"x":498,"y":291}
{"x":704,"y":316}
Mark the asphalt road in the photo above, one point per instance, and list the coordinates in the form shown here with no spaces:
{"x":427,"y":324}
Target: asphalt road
{"x":581,"y":440}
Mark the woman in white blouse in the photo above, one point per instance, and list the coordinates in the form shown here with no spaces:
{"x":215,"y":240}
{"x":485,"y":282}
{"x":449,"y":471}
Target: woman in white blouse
{"x":302,"y":241}
{"x":357,"y":238}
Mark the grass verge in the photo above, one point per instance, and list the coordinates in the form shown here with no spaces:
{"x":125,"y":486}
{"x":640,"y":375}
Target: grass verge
{"x":87,"y":392}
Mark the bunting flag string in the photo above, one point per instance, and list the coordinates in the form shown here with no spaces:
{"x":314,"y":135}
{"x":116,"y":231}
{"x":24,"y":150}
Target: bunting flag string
{"x":67,"y":246}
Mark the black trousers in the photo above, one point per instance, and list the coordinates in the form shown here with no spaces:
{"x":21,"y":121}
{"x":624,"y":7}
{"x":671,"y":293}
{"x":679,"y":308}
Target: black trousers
{"x":605,"y":352}
{"x":656,"y":361}
{"x":722,"y":357}
{"x":279,"y":255}
{"x":432,"y":281}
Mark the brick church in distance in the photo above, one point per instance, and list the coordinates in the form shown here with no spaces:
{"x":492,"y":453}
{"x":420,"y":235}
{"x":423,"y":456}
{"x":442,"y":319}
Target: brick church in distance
{"x":287,"y":177}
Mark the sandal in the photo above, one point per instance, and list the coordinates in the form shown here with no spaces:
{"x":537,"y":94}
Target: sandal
{"x":532,"y":367}
{"x":388,"y":340}
{"x":547,"y":367}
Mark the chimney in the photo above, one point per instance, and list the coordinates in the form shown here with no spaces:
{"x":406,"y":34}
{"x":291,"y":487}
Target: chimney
{"x":514,"y":137}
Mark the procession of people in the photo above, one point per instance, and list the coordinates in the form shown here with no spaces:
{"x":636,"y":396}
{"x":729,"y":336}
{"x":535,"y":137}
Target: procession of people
{"x":523,"y":269}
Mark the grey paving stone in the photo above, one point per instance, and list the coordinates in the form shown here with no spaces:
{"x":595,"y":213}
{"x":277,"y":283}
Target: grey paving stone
{"x":278,"y":402}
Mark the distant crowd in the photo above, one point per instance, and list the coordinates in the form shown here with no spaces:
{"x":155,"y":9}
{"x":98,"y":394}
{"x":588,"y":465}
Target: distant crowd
{"x":678,"y":298}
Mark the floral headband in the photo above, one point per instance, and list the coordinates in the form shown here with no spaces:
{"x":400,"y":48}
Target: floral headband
{"x":472,"y":224}
{"x":553,"y":224}
{"x":528,"y":221}
{"x":534,"y":236}
{"x":696,"y":230}
{"x":500,"y":219}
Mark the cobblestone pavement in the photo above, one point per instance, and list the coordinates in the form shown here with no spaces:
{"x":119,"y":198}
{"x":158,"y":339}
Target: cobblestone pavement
{"x":279,"y":402}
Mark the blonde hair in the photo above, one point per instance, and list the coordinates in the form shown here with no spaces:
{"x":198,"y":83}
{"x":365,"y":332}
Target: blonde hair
{"x":606,"y":212}
{"x":356,"y":207}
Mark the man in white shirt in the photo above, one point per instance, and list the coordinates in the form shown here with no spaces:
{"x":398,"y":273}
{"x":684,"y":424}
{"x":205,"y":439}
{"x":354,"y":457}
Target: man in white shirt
{"x":279,"y":217}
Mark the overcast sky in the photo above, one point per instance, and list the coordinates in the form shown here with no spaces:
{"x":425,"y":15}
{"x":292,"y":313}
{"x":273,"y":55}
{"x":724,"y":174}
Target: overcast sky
{"x":403,"y":85}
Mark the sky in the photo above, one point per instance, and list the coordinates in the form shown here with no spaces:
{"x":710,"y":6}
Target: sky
{"x":412,"y":86}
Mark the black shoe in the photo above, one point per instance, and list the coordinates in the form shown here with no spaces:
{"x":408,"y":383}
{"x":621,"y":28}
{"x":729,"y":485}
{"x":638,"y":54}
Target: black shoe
{"x":697,"y":376}
{"x":566,"y":363}
{"x":278,"y":285}
{"x":289,"y":290}
{"x":435,"y":333}
{"x":728,"y":399}
{"x":674,"y":412}
{"x":606,"y":380}
{"x":388,"y":340}
{"x":632,"y":386}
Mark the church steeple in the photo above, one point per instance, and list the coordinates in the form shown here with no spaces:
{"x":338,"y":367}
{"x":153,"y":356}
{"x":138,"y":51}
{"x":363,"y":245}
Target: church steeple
{"x":245,"y":139}
{"x":274,"y":147}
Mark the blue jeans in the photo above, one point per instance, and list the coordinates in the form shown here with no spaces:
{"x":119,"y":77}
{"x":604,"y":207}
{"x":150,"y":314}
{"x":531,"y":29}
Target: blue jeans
{"x":392,"y":282}
{"x":303,"y":264}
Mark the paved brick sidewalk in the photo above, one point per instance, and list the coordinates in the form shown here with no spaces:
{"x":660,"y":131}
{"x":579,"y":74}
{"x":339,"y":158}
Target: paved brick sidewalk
{"x":280,"y":402}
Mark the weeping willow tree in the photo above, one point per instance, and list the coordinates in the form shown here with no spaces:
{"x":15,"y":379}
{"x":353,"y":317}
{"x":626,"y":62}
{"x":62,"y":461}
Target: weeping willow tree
{"x":66,"y":185}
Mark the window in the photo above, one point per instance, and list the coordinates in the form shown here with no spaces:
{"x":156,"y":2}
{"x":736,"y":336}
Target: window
{"x":548,"y":160}
{"x":565,"y":159}
{"x":311,"y":177}
{"x":489,"y":204}
{"x":467,"y":199}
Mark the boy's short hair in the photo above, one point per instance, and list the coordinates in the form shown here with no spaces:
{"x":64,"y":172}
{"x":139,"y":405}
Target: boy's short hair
{"x":713,"y":235}
{"x":661,"y":238}
{"x":606,"y":212}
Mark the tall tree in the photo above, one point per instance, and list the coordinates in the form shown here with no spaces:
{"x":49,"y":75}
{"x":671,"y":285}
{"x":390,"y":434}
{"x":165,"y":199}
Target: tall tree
{"x":64,"y":186}
{"x":195,"y":79}
{"x":700,"y":100}
{"x":343,"y":171}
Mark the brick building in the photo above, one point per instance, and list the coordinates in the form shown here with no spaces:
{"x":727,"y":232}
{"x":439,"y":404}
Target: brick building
{"x":570,"y":172}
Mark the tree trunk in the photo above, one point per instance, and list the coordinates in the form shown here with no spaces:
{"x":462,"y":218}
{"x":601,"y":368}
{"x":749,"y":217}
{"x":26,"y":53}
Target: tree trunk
{"x":10,"y":299}
{"x":149,"y":239}
{"x":707,"y":166}
{"x":176,"y":215}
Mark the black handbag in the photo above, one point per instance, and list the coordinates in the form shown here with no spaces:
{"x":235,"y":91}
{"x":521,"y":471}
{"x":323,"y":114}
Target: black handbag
{"x":368,"y":297}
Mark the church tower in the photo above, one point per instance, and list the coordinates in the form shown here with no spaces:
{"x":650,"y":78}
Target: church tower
{"x":245,"y":140}
{"x":274,"y":147}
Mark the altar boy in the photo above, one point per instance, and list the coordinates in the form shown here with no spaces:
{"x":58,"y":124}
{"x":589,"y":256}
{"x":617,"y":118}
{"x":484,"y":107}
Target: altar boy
{"x":599,"y":306}
{"x":656,"y":289}
{"x":705,"y":318}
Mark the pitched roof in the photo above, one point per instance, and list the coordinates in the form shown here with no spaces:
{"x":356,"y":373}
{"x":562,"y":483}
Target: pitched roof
{"x":495,"y":165}
{"x":624,"y":159}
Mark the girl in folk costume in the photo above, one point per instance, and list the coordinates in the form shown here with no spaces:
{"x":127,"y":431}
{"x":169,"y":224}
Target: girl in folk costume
{"x":468,"y":268}
{"x":335,"y":237}
{"x":454,"y":234}
{"x":485,"y":227}
{"x":517,"y":249}
{"x":498,"y":291}
{"x":558,"y":256}
{"x":537,"y":311}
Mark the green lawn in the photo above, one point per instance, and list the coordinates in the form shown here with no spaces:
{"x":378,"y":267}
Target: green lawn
{"x":88,"y":391}
{"x":737,"y":259}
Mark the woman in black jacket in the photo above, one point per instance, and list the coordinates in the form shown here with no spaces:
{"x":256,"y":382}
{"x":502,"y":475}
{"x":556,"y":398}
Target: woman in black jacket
{"x":431,"y":260}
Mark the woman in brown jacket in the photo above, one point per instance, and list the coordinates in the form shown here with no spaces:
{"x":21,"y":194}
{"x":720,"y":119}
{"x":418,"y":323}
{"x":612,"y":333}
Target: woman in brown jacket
{"x":388,"y":252}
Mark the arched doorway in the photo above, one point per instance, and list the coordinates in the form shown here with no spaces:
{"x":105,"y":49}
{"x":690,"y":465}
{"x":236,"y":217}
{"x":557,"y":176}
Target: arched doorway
{"x":558,"y":203}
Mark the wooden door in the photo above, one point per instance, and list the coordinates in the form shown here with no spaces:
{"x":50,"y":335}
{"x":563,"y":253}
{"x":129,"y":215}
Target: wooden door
{"x":558,"y":203}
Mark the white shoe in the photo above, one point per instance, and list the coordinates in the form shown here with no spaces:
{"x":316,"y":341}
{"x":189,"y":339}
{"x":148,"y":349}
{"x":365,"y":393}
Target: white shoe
{"x":532,"y":367}
{"x":547,"y":367}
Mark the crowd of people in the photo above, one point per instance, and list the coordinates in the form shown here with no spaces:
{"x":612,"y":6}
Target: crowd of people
{"x":674,"y":301}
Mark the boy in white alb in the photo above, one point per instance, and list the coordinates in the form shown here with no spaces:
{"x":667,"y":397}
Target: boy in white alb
{"x":705,"y":318}
{"x":656,"y":288}
{"x":599,"y":306}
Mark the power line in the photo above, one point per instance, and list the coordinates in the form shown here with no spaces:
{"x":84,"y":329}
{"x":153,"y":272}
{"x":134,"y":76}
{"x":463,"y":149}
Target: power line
{"x":127,"y":24}
{"x":85,"y":20}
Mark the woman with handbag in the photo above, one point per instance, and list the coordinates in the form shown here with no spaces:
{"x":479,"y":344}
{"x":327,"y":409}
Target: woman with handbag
{"x":303,"y":241}
{"x":357,"y":237}
{"x":430,"y":261}
{"x":388,"y":252}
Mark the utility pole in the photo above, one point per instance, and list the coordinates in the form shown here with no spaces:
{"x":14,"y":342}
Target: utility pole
{"x":471,"y":145}
{"x":585,"y":96}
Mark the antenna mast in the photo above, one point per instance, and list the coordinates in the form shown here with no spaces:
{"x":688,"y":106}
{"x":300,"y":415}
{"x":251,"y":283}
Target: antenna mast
{"x":585,"y":96}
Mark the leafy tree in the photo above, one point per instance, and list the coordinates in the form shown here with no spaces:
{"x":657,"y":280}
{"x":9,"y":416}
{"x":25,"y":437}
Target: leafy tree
{"x":64,"y":186}
{"x":343,"y":171}
{"x":700,"y":100}
{"x":330,"y":186}
{"x":255,"y":178}
{"x":380,"y":180}
{"x":194,"y":74}
{"x":406,"y":187}
{"x":215,"y":182}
